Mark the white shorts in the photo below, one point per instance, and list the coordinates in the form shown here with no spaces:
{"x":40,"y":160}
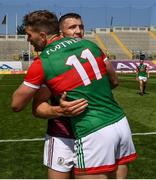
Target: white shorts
{"x":58,"y":153}
{"x":105,"y":149}
{"x":142,"y":78}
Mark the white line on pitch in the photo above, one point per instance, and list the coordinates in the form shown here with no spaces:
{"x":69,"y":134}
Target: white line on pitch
{"x":41,"y":139}
{"x":21,"y":140}
{"x":8,"y":84}
{"x":143,"y":134}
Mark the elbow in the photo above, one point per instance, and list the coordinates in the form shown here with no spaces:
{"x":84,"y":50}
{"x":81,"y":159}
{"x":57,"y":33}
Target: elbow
{"x":114,"y":85}
{"x":16,"y":108}
{"x":34,"y":113}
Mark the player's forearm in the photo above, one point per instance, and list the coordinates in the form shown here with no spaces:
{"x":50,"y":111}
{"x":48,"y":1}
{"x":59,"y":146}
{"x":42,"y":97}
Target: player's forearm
{"x":46,"y":110}
{"x":112,"y":75}
{"x":148,"y":74}
{"x":66,"y":109}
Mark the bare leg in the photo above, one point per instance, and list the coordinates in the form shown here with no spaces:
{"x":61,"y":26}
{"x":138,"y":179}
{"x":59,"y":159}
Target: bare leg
{"x":52,"y":174}
{"x":144,"y":87}
{"x":141,"y":87}
{"x":93,"y":176}
{"x":120,"y":173}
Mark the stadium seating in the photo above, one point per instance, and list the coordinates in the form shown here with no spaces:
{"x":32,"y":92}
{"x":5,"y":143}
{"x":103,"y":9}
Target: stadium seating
{"x":113,"y":46}
{"x":134,"y":40}
{"x":12,"y":50}
{"x":138,"y":41}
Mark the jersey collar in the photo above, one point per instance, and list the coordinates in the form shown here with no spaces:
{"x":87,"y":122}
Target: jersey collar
{"x":54,"y":38}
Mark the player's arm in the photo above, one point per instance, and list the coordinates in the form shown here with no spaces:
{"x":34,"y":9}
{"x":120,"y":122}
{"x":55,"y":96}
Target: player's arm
{"x":40,"y":106}
{"x":21,"y":97}
{"x":148,"y":73}
{"x":72,"y":108}
{"x":137,"y":72}
{"x":42,"y":109}
{"x":113,"y":79}
{"x":111,"y":74}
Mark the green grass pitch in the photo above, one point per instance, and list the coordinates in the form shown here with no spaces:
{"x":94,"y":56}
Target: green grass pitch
{"x":23,"y":160}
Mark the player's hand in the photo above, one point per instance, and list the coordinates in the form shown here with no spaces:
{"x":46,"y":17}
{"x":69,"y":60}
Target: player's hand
{"x":72,"y":108}
{"x":137,"y":79}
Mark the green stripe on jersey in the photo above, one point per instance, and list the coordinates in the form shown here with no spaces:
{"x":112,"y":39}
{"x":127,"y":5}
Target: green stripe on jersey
{"x":80,"y":155}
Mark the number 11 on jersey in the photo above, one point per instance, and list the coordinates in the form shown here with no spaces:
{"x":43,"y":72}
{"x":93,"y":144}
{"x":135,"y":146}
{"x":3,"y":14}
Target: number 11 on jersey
{"x":74,"y":61}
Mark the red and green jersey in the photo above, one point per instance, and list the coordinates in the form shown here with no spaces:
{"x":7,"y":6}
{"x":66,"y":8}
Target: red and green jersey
{"x":77,"y":67}
{"x":142,"y":70}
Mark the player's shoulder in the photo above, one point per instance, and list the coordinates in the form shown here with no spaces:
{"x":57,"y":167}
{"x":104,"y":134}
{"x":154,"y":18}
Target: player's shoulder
{"x":87,"y":41}
{"x":90,"y":44}
{"x":36,"y":60}
{"x":36,"y":64}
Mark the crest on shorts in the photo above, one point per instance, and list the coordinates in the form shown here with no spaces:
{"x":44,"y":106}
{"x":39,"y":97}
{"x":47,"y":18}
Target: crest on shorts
{"x":60,"y":160}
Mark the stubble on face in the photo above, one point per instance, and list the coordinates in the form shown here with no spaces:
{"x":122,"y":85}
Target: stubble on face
{"x":72,"y":27}
{"x":35,"y":39}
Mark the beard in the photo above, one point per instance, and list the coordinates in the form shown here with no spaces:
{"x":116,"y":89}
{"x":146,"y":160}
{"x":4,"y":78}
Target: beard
{"x":38,"y":46}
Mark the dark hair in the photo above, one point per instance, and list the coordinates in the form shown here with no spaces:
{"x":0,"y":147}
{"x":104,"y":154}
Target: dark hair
{"x":142,"y":56}
{"x":69,"y":15}
{"x":42,"y":20}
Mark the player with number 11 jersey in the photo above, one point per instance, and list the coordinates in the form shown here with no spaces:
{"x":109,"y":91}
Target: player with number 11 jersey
{"x":77,"y":68}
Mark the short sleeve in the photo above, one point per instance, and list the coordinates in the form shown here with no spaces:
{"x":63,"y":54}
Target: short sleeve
{"x":35,"y":75}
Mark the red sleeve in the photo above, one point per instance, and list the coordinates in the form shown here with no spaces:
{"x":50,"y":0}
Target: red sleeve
{"x":35,"y":73}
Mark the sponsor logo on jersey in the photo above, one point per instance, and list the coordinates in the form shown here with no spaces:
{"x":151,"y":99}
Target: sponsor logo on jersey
{"x":60,"y":160}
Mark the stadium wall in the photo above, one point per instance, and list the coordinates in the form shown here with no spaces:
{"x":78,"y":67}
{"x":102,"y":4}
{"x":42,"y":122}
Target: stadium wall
{"x":121,"y":66}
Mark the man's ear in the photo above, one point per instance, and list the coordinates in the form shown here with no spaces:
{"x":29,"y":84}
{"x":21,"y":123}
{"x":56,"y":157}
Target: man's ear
{"x":61,"y":33}
{"x":43,"y":36}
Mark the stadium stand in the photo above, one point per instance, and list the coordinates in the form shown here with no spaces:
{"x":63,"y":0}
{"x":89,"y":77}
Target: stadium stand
{"x":138,"y":41}
{"x":13,"y":47}
{"x":113,"y":46}
{"x":128,"y":42}
{"x":117,"y":42}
